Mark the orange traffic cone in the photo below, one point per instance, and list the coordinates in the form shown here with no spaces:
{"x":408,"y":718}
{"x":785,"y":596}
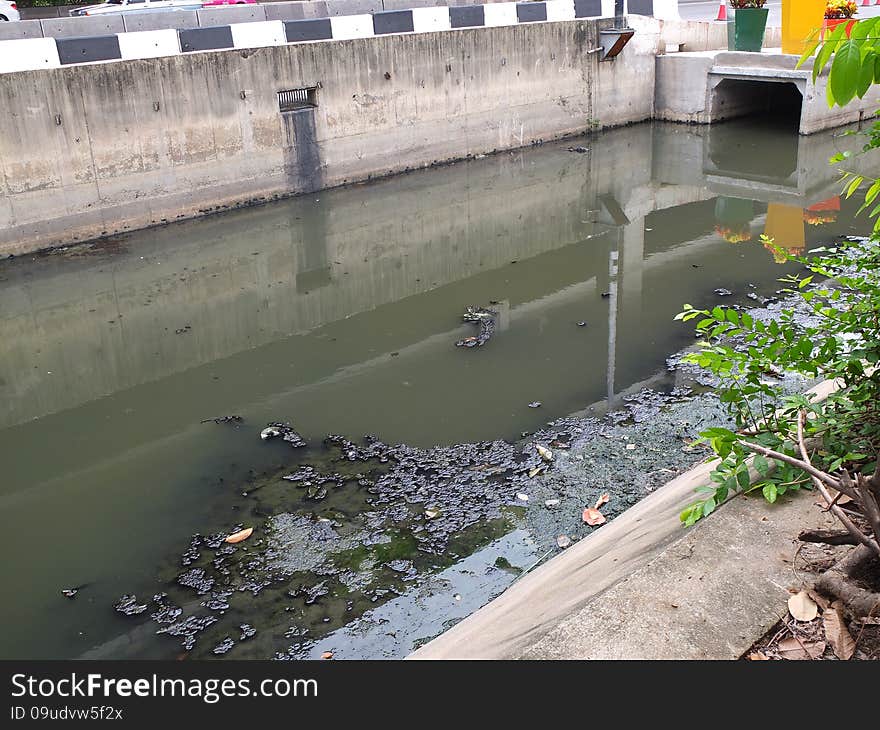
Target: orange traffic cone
{"x":722,"y":12}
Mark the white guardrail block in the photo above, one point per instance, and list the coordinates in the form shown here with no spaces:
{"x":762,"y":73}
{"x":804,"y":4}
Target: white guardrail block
{"x":560,"y":10}
{"x":346,"y":27}
{"x":428,"y":20}
{"x":149,"y":44}
{"x":666,"y":10}
{"x":28,"y":54}
{"x":258,"y":34}
{"x":500,"y":14}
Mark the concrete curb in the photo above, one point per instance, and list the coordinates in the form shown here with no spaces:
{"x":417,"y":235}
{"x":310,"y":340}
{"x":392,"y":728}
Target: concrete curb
{"x":600,"y":597}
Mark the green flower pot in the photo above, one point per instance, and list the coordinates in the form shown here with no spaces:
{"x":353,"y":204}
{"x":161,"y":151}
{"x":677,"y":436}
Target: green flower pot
{"x":745,"y":31}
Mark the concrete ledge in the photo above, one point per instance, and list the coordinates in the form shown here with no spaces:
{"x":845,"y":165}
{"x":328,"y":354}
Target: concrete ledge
{"x":29,"y":53}
{"x":209,"y":17}
{"x":98,"y":25}
{"x":710,"y":595}
{"x":148,"y":44}
{"x":258,"y":35}
{"x":21,"y":29}
{"x":160,"y":21}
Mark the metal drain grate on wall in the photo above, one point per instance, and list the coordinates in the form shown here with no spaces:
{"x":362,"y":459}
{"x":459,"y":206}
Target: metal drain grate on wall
{"x":295,"y":99}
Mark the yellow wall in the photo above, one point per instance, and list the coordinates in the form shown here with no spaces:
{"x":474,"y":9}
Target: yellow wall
{"x":799,"y":19}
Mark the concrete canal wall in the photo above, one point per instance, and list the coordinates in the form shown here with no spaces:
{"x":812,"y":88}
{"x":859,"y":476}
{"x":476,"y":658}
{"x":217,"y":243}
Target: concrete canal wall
{"x":89,"y":150}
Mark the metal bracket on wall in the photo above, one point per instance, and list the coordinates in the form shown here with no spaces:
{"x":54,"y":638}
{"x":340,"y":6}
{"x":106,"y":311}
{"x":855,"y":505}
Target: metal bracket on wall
{"x":613,"y":41}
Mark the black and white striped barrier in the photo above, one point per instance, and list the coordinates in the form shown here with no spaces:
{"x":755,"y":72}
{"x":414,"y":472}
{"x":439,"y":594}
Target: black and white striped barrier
{"x":28,"y":54}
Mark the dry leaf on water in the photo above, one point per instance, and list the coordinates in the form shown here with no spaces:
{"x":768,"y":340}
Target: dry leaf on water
{"x":240,"y":535}
{"x":836,"y":632}
{"x":792,"y":648}
{"x":603,"y":499}
{"x":802,"y":607}
{"x":593,"y":516}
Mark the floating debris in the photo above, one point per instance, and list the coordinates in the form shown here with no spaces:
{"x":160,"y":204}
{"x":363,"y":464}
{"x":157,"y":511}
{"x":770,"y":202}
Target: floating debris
{"x":485,"y":318}
{"x":723,"y":292}
{"x":579,"y":150}
{"x":581,"y":324}
{"x":129,"y":605}
{"x":224,"y":646}
{"x":239,"y":536}
{"x":285,"y":431}
{"x":535,"y":404}
{"x":69,"y":592}
{"x":224,"y":419}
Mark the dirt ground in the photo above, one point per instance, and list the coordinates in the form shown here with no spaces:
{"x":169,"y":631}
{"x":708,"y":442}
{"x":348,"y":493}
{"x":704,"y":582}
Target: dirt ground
{"x":823,"y":637}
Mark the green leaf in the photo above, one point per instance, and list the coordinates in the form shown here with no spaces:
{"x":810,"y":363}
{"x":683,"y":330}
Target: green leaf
{"x":812,"y":43}
{"x":862,"y":29}
{"x":770,"y":492}
{"x":827,"y":49}
{"x":854,"y":185}
{"x":866,"y":73}
{"x":843,"y":79}
{"x":708,"y":507}
{"x":742,"y":477}
{"x":762,"y":466}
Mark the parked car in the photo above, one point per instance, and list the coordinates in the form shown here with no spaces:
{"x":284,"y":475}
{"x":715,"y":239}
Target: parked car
{"x":8,"y":11}
{"x":127,"y":6}
{"x":213,"y":3}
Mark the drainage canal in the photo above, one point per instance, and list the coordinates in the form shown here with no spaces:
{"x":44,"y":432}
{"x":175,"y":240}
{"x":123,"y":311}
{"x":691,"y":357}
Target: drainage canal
{"x":339,"y":314}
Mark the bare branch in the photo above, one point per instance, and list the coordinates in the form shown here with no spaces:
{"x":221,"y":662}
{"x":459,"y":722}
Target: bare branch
{"x":850,"y":526}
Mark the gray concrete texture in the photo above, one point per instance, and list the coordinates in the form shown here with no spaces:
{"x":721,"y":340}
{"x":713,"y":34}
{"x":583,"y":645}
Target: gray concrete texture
{"x":218,"y":139}
{"x":161,"y":21}
{"x":709,"y":86}
{"x":85,"y":26}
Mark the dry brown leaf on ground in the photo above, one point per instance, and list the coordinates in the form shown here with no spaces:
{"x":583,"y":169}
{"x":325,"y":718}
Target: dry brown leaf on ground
{"x":802,"y":607}
{"x":758,"y":656}
{"x":841,"y":500}
{"x":836,"y":632}
{"x":819,"y":599}
{"x":593,"y":517}
{"x":797,"y":649}
{"x":603,"y":499}
{"x":327,"y":655}
{"x":240,"y":535}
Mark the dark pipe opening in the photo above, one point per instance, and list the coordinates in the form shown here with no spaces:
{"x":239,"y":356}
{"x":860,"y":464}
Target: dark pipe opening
{"x":776,"y":104}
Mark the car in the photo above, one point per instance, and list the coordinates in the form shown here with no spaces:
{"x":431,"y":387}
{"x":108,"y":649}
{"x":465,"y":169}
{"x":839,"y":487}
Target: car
{"x":9,"y":11}
{"x":127,"y":6}
{"x":214,"y":3}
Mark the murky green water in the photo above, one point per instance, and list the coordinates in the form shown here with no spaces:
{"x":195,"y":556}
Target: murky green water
{"x":339,"y":312}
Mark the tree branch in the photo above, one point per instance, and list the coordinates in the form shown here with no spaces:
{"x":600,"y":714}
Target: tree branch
{"x":850,"y":526}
